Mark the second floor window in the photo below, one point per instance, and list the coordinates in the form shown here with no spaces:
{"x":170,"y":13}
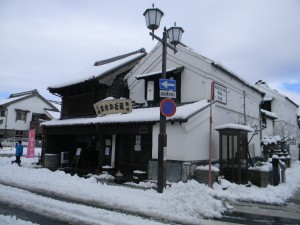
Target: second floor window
{"x":2,"y":112}
{"x":152,"y":87}
{"x":21,"y":115}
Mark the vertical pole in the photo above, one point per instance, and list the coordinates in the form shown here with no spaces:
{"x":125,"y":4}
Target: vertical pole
{"x":210,"y":133}
{"x":244,"y":95}
{"x":276,"y":175}
{"x":162,"y":137}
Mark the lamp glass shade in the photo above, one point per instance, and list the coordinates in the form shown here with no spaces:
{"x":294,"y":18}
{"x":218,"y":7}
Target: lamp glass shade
{"x":153,"y":17}
{"x":175,"y":34}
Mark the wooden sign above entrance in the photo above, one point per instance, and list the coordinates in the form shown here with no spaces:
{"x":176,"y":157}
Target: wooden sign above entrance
{"x":113,"y":106}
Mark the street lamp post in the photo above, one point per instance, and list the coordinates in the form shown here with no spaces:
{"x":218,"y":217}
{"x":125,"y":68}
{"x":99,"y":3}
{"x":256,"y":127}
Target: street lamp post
{"x":153,"y":17}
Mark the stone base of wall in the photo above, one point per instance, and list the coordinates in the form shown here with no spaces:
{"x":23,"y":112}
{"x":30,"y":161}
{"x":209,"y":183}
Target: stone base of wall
{"x":202,"y":176}
{"x":175,"y":170}
{"x":260,"y":178}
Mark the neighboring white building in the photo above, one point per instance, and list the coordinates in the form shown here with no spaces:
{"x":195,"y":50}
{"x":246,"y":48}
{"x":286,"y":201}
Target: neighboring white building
{"x":279,"y":116}
{"x":23,"y":111}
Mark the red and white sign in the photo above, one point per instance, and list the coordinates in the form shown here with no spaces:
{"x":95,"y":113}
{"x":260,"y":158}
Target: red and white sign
{"x":31,"y":144}
{"x":168,"y":107}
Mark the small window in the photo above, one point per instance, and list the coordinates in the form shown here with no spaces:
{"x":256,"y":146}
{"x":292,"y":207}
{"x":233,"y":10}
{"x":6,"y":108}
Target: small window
{"x":2,"y":112}
{"x":35,"y":117}
{"x":19,"y":133}
{"x":21,"y":115}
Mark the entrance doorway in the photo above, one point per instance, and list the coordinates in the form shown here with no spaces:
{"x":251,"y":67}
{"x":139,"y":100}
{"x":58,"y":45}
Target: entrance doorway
{"x":234,"y":152}
{"x":133,"y":152}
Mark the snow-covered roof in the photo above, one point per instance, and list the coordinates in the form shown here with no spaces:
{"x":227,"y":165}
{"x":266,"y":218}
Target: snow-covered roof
{"x":267,"y":98}
{"x":269,"y":114}
{"x":92,"y":72}
{"x":263,"y":87}
{"x":183,"y":113}
{"x":10,"y":100}
{"x":53,"y":114}
{"x":222,"y":67}
{"x":235,"y":127}
{"x":180,"y":68}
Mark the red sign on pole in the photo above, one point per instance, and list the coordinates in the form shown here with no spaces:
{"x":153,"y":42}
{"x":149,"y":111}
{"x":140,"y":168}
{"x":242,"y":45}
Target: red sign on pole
{"x":31,"y":144}
{"x":168,"y":107}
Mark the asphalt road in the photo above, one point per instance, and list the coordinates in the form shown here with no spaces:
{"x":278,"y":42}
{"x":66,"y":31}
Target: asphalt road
{"x":10,"y":210}
{"x":261,"y":214}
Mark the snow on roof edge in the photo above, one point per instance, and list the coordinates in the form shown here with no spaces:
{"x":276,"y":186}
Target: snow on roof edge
{"x":270,"y":114}
{"x":140,"y":115}
{"x":95,"y":71}
{"x":234,"y":126}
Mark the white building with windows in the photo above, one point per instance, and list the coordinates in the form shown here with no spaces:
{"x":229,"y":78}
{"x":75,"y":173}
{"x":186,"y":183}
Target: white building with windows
{"x":23,"y":111}
{"x":279,"y":118}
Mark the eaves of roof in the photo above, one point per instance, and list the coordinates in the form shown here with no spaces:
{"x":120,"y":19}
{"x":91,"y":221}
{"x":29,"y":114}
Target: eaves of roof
{"x":140,"y":115}
{"x":269,"y":114}
{"x":236,"y":77}
{"x":102,"y":71}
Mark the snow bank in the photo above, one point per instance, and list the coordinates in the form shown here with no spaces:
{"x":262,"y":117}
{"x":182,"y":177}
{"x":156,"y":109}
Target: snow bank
{"x":185,"y":202}
{"x":182,"y":202}
{"x":12,"y":220}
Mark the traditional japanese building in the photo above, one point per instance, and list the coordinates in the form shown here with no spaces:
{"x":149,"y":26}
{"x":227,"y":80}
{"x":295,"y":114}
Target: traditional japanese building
{"x":76,"y":130}
{"x":218,"y":117}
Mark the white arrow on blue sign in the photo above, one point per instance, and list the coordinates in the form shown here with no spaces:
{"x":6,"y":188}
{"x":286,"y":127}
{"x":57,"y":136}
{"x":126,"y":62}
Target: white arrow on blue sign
{"x":166,"y":84}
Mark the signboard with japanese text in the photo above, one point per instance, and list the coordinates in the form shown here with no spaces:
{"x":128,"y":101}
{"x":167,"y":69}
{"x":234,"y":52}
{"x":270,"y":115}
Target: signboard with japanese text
{"x":31,"y":144}
{"x":113,"y":106}
{"x":167,"y":94}
{"x":220,"y":93}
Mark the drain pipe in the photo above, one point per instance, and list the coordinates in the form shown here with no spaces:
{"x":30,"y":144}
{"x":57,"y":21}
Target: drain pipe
{"x":283,"y":168}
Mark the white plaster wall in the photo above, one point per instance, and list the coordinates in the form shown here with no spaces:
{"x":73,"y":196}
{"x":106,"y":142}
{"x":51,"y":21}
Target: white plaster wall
{"x":269,"y":130}
{"x":187,"y":141}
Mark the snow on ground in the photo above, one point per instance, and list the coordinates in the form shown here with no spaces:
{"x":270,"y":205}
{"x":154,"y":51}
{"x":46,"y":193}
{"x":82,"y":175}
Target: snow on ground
{"x":187,"y":202}
{"x":12,"y":220}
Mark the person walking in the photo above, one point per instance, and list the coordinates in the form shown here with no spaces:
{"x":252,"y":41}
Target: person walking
{"x":1,"y":145}
{"x":19,"y":153}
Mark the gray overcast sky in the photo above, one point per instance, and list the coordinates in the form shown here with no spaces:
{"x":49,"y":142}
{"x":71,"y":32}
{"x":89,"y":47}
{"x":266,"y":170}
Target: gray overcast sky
{"x":45,"y":41}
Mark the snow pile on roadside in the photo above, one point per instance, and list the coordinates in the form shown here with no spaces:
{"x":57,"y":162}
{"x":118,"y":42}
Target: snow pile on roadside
{"x":184,"y":202}
{"x":194,"y":199}
{"x":12,"y":220}
{"x":271,"y":194}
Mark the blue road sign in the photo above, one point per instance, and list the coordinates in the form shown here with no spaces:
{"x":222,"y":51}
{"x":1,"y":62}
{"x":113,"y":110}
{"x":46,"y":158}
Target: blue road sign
{"x":166,"y":84}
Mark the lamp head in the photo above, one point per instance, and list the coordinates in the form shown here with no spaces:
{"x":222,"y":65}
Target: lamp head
{"x":175,"y":34}
{"x":153,"y":17}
